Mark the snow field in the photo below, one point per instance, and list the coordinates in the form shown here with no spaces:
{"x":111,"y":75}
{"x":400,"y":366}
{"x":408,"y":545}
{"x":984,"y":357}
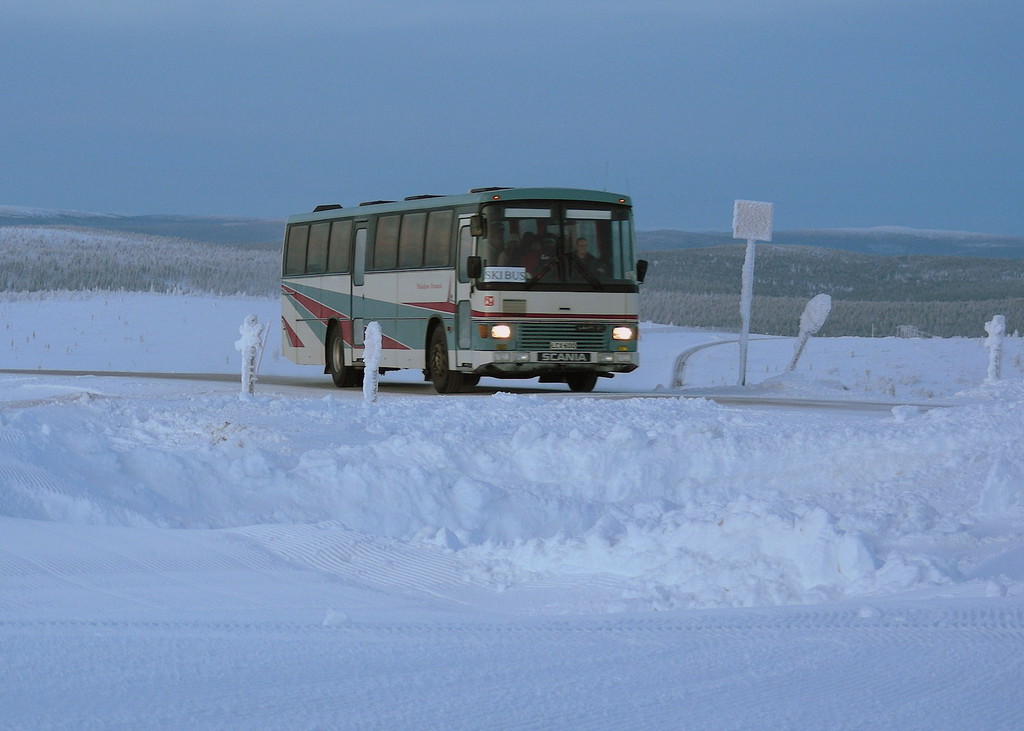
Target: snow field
{"x":176,"y":554}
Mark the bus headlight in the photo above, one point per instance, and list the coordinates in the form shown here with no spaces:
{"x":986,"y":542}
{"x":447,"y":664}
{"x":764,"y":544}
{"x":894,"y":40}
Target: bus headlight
{"x":501,"y":332}
{"x":623,"y":332}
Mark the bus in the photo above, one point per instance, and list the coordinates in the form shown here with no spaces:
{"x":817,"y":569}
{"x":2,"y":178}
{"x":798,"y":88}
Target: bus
{"x":500,"y":282}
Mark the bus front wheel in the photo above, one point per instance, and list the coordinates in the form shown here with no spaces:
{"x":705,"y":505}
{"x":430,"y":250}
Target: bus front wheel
{"x":581,"y":382}
{"x":444,"y":379}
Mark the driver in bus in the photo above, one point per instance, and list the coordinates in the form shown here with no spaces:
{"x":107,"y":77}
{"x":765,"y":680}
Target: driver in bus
{"x":587,"y":261}
{"x":531,"y":258}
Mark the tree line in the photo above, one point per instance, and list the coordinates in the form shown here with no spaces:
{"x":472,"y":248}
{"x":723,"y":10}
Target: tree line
{"x":871,"y":294}
{"x":34,"y":259}
{"x":781,"y":315}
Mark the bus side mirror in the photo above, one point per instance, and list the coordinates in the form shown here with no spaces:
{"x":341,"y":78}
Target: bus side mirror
{"x":477,"y":225}
{"x":641,"y":270}
{"x":474,"y":267}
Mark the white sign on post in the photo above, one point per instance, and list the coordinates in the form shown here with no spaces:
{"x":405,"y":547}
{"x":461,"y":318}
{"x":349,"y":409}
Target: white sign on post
{"x":751,"y":220}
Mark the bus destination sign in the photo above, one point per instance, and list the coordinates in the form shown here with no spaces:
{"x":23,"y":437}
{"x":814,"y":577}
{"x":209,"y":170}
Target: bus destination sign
{"x":504,"y":274}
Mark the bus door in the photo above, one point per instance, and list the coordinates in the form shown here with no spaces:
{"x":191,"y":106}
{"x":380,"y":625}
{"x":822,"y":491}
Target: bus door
{"x":463,"y":288}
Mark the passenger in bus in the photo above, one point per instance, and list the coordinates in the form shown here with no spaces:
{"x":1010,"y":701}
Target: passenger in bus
{"x":549,"y":249}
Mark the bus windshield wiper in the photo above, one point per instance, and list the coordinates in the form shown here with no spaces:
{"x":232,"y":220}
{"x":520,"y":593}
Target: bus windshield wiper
{"x":592,"y":280}
{"x":544,"y":270}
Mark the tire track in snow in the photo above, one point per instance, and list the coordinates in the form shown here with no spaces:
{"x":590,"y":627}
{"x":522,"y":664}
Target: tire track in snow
{"x":181,"y":569}
{"x":14,"y":473}
{"x":380,"y":562}
{"x":64,"y":575}
{"x":11,"y":437}
{"x":1002,"y":623}
{"x":186,"y":566}
{"x":33,"y":492}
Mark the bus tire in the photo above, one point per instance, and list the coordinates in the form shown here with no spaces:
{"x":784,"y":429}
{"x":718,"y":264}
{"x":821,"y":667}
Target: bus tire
{"x":444,"y":379}
{"x":342,"y":375}
{"x":581,"y":382}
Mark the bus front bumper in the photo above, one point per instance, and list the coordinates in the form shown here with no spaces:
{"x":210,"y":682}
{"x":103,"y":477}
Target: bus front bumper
{"x":524,"y":364}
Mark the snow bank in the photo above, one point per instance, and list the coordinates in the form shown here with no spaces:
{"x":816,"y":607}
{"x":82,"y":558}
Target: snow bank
{"x":678,"y":502}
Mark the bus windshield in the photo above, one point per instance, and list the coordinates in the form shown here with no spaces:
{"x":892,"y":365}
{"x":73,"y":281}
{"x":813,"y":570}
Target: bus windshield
{"x":555,"y":245}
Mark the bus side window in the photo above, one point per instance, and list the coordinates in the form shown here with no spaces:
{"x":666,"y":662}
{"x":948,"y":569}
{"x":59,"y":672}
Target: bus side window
{"x":410,"y":243}
{"x":439,"y":239}
{"x":621,"y":245}
{"x":316,"y":255}
{"x":295,"y":250}
{"x":385,"y":242}
{"x":340,"y":248}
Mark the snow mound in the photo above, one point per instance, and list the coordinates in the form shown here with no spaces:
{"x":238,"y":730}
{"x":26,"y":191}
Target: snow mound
{"x":677,"y":502}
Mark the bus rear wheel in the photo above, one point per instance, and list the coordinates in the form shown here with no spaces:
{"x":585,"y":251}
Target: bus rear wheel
{"x":444,"y":379}
{"x":342,"y":375}
{"x":581,"y":382}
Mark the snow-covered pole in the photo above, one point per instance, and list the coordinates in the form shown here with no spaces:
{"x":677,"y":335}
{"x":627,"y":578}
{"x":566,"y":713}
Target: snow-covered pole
{"x":814,"y":316}
{"x":996,"y":329}
{"x":371,"y":361}
{"x":751,"y":220}
{"x":250,"y":345}
{"x":746,"y":300}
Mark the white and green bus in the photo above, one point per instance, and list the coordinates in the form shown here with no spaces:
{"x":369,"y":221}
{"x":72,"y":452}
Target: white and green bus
{"x":500,"y":282}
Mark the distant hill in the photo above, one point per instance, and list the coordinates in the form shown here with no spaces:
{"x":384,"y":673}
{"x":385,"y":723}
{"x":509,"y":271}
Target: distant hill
{"x":208,"y":229}
{"x":888,"y":241}
{"x":879,"y":279}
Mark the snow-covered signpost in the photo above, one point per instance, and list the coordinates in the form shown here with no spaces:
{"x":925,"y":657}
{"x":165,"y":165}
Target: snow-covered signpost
{"x":371,"y":361}
{"x":815,"y":314}
{"x":996,"y":329}
{"x":250,"y":345}
{"x":751,"y":220}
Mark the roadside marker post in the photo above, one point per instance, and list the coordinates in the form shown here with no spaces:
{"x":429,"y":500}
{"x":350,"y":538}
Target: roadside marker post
{"x":996,"y":329}
{"x":250,"y":345}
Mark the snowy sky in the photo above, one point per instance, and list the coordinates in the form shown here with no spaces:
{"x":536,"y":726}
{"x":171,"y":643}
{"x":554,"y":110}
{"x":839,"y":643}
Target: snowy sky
{"x":842,"y":113}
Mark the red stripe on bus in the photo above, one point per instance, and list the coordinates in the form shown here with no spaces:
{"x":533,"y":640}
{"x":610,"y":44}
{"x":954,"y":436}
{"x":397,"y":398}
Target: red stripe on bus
{"x":386,"y":343}
{"x":447,"y":307}
{"x":391,"y":344}
{"x":550,"y":316}
{"x":323,"y":312}
{"x":293,"y":337}
{"x":316,"y":309}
